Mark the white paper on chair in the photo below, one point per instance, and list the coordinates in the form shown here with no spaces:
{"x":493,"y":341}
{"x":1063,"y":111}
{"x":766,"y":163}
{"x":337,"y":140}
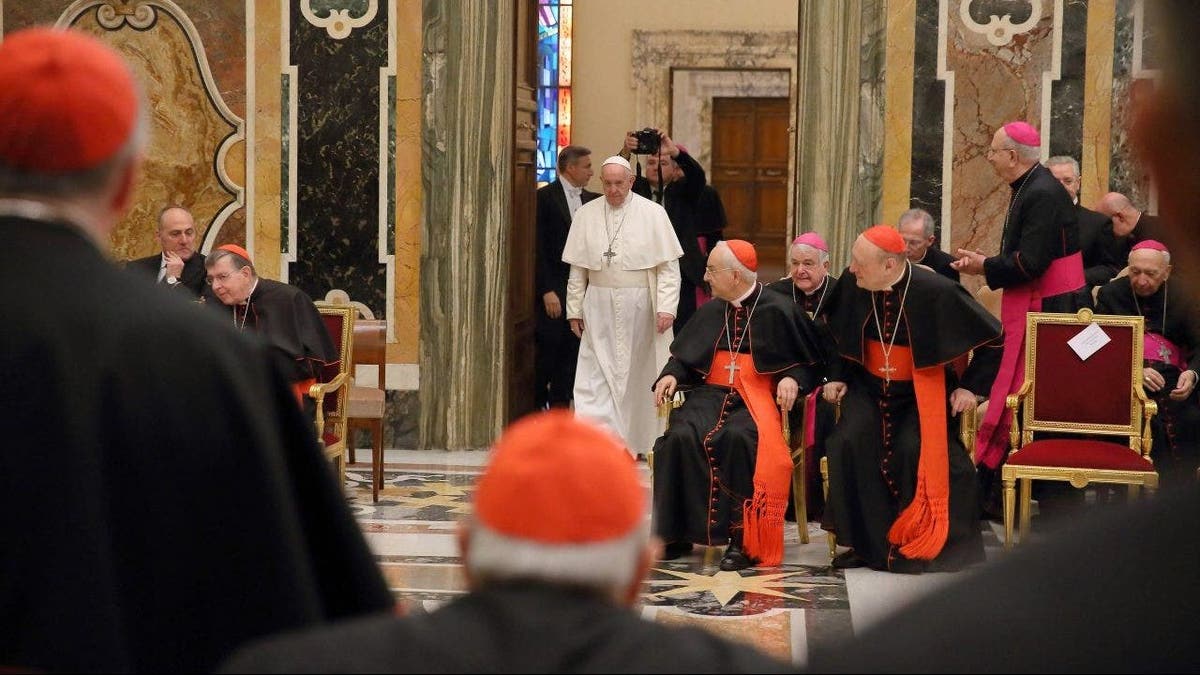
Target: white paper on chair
{"x":1089,"y":341}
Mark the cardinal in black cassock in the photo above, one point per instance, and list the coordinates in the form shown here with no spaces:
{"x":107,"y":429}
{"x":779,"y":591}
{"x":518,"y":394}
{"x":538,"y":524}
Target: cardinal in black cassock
{"x":722,"y":470}
{"x":902,"y":489}
{"x":283,"y":315}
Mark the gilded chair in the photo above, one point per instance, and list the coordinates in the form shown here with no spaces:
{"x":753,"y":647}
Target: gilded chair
{"x":330,"y":392}
{"x":799,"y":474}
{"x":365,"y":404}
{"x":1082,"y":402}
{"x":799,"y":493}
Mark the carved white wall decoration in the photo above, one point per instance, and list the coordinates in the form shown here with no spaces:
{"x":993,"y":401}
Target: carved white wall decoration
{"x":339,"y":23}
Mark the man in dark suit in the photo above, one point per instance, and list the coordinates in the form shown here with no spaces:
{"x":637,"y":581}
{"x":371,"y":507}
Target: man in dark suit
{"x":557,"y":347}
{"x":676,"y":180}
{"x":916,"y":226}
{"x":179,"y":265}
{"x":1102,"y":250}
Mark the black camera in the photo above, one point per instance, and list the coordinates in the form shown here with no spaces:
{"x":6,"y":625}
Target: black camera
{"x":648,"y":141}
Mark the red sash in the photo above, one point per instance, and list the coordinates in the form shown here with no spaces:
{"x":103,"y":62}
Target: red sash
{"x":762,"y":514}
{"x":1063,"y":275}
{"x":1156,"y":347}
{"x":921,"y":529}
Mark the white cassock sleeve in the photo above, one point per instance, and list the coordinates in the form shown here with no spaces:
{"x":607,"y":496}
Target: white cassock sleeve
{"x":577,"y":284}
{"x":667,"y":298}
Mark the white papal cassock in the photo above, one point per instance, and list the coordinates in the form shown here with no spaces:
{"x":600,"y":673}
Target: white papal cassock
{"x":618,"y":297}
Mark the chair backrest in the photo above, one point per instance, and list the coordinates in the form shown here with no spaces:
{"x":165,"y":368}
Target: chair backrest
{"x":370,"y":346}
{"x":1083,"y":396}
{"x":339,"y":321}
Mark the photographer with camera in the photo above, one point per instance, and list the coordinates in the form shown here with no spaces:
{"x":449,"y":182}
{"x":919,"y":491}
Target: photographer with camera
{"x":676,"y":181}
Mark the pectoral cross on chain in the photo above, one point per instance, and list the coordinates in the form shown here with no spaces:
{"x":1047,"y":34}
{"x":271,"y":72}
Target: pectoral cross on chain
{"x":887,"y":369}
{"x":733,"y":367}
{"x":608,"y":256}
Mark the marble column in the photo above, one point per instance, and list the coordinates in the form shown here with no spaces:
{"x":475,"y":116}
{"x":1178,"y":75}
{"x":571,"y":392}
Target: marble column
{"x":466,"y":176}
{"x":839,"y":135}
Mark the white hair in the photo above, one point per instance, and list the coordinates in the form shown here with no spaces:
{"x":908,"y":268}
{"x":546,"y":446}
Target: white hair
{"x":608,"y":567}
{"x":1028,"y":153}
{"x":923,"y":215}
{"x":822,"y":256}
{"x":744,"y":273}
{"x":1059,"y":160}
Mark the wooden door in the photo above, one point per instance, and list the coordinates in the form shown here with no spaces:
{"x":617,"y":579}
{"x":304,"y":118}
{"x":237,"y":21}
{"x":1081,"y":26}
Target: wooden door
{"x":750,"y":147}
{"x":521,"y":317}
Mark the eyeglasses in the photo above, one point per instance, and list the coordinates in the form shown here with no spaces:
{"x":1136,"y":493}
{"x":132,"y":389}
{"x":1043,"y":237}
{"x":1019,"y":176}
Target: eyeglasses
{"x":712,"y":270}
{"x":223,"y":277}
{"x":992,"y":151}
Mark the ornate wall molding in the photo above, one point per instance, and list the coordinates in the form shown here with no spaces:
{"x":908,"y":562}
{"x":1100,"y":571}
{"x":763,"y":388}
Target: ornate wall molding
{"x":142,"y":15}
{"x":656,"y":53}
{"x":339,"y":24}
{"x":692,"y":93}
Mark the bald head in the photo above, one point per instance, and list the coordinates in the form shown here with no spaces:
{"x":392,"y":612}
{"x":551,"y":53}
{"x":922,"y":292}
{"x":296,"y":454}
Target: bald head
{"x":1122,"y":211}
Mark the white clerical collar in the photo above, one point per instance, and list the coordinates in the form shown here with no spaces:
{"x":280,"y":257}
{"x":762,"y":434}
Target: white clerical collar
{"x":571,"y":189}
{"x":738,"y":302}
{"x":253,"y":288}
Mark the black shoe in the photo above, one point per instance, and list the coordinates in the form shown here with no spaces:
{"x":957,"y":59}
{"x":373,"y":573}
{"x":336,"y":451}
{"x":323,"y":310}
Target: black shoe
{"x":847,"y":560}
{"x":735,"y":559}
{"x":676,"y":549}
{"x":898,"y":564}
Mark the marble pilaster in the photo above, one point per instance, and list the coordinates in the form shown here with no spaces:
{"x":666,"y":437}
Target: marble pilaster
{"x":466,"y":178}
{"x":341,"y":94}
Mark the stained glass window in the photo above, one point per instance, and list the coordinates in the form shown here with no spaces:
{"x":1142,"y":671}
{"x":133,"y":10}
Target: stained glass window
{"x":554,"y":85}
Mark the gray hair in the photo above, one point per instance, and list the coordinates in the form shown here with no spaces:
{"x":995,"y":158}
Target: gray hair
{"x":15,"y":181}
{"x":744,"y":273}
{"x":923,"y":215}
{"x":1028,"y":153}
{"x":1059,"y":160}
{"x":606,"y":567}
{"x":211,"y":260}
{"x":570,"y":155}
{"x":822,"y":256}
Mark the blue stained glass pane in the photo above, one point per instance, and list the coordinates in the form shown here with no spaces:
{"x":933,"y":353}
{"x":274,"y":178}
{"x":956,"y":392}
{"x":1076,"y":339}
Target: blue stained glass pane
{"x":547,"y":95}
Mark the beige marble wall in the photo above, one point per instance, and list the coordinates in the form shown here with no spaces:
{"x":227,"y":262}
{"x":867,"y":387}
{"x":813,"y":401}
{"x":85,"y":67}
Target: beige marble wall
{"x":998,"y":77}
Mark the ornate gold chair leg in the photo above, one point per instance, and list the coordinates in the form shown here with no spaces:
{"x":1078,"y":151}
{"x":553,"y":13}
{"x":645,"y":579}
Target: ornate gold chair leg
{"x":1026,"y":507}
{"x":1134,"y":492}
{"x":800,"y":496}
{"x":1010,"y":499}
{"x":831,"y":538}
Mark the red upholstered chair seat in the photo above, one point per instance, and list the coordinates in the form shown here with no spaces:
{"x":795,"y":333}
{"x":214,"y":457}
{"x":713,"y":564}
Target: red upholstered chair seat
{"x":330,"y":438}
{"x":1071,"y":452}
{"x":1090,"y":399}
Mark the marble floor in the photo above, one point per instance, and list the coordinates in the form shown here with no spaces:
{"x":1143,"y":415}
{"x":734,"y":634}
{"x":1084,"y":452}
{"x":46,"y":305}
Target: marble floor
{"x":783,"y":610}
